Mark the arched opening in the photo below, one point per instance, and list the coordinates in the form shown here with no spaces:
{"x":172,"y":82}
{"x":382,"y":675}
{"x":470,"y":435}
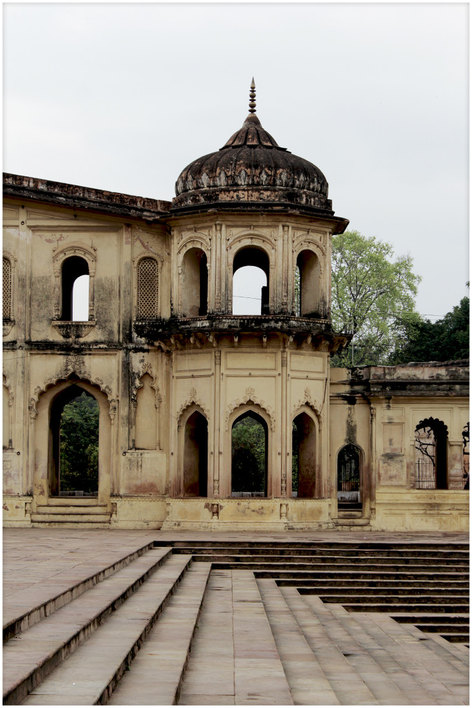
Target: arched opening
{"x":307,"y":285}
{"x":75,"y":289}
{"x":465,"y":456}
{"x":74,"y":439}
{"x":303,"y":457}
{"x":349,"y":478}
{"x":195,"y":283}
{"x":431,"y":454}
{"x":195,"y":472}
{"x":251,"y":282}
{"x":249,"y":456}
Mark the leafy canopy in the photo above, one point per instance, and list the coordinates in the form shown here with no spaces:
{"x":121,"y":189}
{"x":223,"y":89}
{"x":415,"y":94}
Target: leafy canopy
{"x":372,"y":297}
{"x":79,"y":445}
{"x":443,"y":340}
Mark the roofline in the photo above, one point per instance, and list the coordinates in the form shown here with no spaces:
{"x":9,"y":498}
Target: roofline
{"x":85,"y":198}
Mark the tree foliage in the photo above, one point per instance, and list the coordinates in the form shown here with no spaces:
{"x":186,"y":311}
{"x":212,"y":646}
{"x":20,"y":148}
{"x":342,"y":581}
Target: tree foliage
{"x":372,"y":297}
{"x":249,"y":456}
{"x":79,"y":445}
{"x":443,"y":340}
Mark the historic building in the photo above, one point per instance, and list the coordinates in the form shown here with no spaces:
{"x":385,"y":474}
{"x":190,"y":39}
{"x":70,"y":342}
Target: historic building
{"x":181,"y":383}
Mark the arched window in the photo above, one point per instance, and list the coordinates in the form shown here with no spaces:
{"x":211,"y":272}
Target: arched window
{"x":75,"y":289}
{"x":251,"y":282}
{"x":7,"y":289}
{"x":148,"y":289}
{"x":431,"y":454}
{"x":194,"y":283}
{"x":249,"y":456}
{"x":303,"y":457}
{"x":349,"y":477}
{"x":195,"y":468}
{"x":74,"y":426}
{"x":307,"y":285}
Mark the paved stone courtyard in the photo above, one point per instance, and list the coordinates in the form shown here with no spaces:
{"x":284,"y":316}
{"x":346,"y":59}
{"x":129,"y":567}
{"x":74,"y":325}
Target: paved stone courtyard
{"x":221,"y":636}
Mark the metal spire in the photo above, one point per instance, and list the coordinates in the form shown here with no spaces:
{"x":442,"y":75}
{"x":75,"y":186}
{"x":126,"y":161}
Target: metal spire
{"x":252,"y":97}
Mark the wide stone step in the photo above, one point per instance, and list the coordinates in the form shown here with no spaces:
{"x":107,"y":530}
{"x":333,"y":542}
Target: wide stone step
{"x":386,"y":598}
{"x":31,"y":656}
{"x":275,"y":570}
{"x":313,"y":561}
{"x":400,"y":606}
{"x":444,"y":627}
{"x":308,"y":682}
{"x":75,"y":509}
{"x":91,"y":673}
{"x":433,"y":619}
{"x":453,"y":637}
{"x":234,"y":657}
{"x":321,"y":546}
{"x":447,"y":556}
{"x":410,"y":658}
{"x":438,"y":658}
{"x":155,"y":676}
{"x":349,"y":686}
{"x":348,"y":583}
{"x":25,"y":609}
{"x":382,"y":592}
{"x":64,"y":518}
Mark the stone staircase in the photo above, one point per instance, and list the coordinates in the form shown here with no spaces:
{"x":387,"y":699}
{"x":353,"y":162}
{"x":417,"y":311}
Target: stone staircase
{"x":216,"y":622}
{"x":71,"y":512}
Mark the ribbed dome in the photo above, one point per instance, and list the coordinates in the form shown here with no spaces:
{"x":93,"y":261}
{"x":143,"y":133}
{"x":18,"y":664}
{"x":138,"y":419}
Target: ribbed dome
{"x":251,"y":169}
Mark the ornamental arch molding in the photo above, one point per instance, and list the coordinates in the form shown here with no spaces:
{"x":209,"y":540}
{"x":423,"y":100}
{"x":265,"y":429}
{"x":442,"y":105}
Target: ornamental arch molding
{"x":145,"y":369}
{"x":307,"y":402}
{"x":192,"y":403}
{"x":246,"y":402}
{"x":78,"y":250}
{"x":73,"y":380}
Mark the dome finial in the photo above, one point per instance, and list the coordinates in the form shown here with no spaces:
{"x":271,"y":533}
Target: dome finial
{"x":252,"y":97}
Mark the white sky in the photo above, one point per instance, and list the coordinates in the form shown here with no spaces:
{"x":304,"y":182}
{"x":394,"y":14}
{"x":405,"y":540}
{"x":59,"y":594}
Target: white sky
{"x":123,"y":96}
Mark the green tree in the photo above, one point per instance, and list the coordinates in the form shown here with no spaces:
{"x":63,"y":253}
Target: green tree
{"x":443,"y":340}
{"x":249,"y":455}
{"x":79,"y":445}
{"x":372,"y":298}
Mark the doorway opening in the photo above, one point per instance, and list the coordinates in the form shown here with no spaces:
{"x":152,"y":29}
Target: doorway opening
{"x":249,"y":456}
{"x":349,"y":479}
{"x":195,"y":473}
{"x":74,"y":438}
{"x":303,"y":457}
{"x":251,"y":282}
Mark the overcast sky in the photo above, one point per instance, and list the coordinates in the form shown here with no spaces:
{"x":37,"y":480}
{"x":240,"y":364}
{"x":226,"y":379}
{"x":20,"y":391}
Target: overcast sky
{"x":123,"y":96}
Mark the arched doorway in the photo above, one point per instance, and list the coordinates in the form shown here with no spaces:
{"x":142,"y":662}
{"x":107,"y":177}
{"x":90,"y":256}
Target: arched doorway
{"x":349,"y":478}
{"x":74,"y":443}
{"x":303,"y":456}
{"x":249,"y":456}
{"x":195,"y":283}
{"x":307,"y":284}
{"x":251,"y":282}
{"x":195,"y":467}
{"x":431,"y":454}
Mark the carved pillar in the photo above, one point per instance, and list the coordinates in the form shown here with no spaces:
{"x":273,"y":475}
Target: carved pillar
{"x":284,"y":424}
{"x":217,"y":266}
{"x":217,"y":457}
{"x":285,"y":266}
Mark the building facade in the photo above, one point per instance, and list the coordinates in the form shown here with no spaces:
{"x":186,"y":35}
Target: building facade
{"x":177,"y":377}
